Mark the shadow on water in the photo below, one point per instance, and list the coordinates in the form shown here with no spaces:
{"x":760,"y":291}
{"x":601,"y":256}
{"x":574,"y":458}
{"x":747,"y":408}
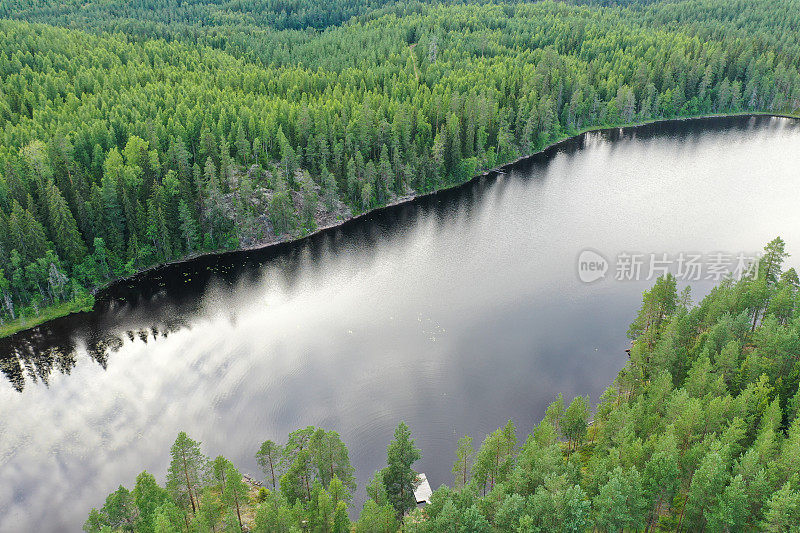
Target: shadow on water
{"x":163,"y":300}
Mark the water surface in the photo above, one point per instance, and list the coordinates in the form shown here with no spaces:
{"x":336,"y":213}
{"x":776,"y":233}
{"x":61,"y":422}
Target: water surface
{"x":454,"y":313}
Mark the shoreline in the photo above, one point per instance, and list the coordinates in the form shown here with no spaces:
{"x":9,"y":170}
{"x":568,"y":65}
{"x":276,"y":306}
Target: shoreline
{"x":71,"y":308}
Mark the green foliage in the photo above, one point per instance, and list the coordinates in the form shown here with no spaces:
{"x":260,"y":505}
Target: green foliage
{"x":698,"y":432}
{"x":210,"y":511}
{"x":176,"y":128}
{"x":187,"y":473}
{"x":494,"y":459}
{"x":341,"y":521}
{"x":376,"y":518}
{"x":658,"y":304}
{"x":715,"y":447}
{"x":376,"y":490}
{"x":783,"y":510}
{"x":398,"y":477}
{"x":219,"y":471}
{"x":148,"y":497}
{"x":555,"y":412}
{"x":176,"y":19}
{"x":235,"y":493}
{"x":620,"y":504}
{"x":314,"y":455}
{"x":463,"y":465}
{"x":120,"y":513}
{"x":575,"y":420}
{"x":173,"y":128}
{"x":275,"y":515}
{"x":269,"y":458}
{"x":169,"y":518}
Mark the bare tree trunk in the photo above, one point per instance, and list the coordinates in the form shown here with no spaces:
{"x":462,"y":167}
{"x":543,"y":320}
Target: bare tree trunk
{"x":238,"y":513}
{"x":9,"y":305}
{"x":188,"y":484}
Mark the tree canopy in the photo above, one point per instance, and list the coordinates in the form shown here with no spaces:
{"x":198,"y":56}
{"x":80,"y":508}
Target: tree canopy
{"x":699,"y":431}
{"x":164,"y":129}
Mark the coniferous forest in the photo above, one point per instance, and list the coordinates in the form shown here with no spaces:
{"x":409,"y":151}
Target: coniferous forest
{"x":699,"y":432}
{"x":137,"y":133}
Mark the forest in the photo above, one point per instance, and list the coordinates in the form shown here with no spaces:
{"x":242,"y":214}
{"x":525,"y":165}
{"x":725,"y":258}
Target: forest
{"x":700,"y":431}
{"x":138,"y":133}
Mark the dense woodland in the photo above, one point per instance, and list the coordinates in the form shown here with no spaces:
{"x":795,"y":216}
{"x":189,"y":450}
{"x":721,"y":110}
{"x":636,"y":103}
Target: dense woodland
{"x":699,"y":432}
{"x":139,"y":132}
{"x":162,"y":129}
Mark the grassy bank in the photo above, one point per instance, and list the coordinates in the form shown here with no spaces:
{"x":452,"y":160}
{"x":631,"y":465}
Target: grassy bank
{"x":79,"y":305}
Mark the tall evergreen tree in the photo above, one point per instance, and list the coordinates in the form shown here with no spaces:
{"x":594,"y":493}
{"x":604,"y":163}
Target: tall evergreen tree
{"x":398,"y":477}
{"x":187,"y":472}
{"x":269,"y":459}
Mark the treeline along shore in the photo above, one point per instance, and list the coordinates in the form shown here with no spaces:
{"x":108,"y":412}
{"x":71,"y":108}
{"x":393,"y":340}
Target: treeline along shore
{"x":700,"y":431}
{"x":132,"y":141}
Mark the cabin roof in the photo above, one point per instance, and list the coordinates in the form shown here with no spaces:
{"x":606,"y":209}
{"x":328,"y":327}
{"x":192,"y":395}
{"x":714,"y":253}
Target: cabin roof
{"x":422,"y":490}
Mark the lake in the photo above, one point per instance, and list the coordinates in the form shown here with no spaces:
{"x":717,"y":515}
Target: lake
{"x":454,"y":312}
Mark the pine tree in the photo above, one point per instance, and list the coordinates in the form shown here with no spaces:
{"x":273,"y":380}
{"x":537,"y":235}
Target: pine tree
{"x":661,"y":476}
{"x":783,"y":510}
{"x":298,"y":479}
{"x":148,"y":496}
{"x":235,"y":491}
{"x":169,"y":518}
{"x":219,"y":471}
{"x":210,"y":511}
{"x":376,"y":518}
{"x":120,"y":510}
{"x":398,"y":477}
{"x":463,"y":465}
{"x":329,"y":189}
{"x":341,"y":521}
{"x":376,"y":489}
{"x":621,"y":503}
{"x":269,"y":459}
{"x":186,"y":473}
{"x":771,"y":262}
{"x":6,"y":298}
{"x":494,"y":459}
{"x":310,"y":198}
{"x":555,"y":412}
{"x":576,"y":418}
{"x":658,"y":304}
{"x":708,"y":482}
{"x":332,"y":460}
{"x":281,"y":211}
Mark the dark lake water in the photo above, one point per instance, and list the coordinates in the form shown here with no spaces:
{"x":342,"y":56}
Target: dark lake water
{"x":455,"y":313}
